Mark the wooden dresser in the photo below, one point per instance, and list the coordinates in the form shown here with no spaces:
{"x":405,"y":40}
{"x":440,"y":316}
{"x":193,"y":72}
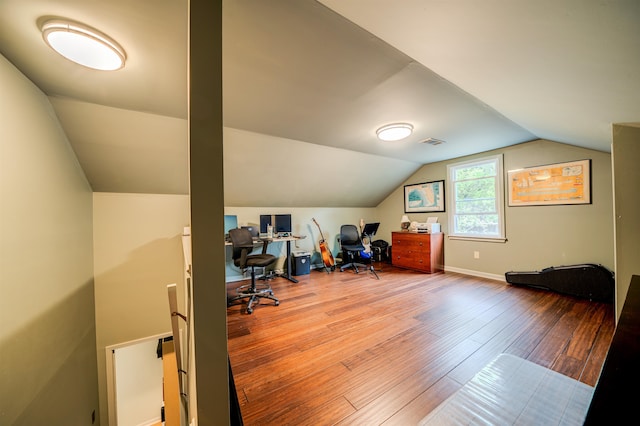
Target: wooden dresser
{"x":420,"y":251}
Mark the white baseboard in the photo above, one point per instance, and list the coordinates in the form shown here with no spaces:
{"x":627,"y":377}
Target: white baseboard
{"x":475,"y":273}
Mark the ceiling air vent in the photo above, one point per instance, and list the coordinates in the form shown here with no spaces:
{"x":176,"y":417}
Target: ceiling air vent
{"x":433,"y":141}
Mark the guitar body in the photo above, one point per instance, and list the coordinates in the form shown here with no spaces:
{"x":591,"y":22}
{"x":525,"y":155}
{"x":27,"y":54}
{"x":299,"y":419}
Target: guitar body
{"x":327,"y":257}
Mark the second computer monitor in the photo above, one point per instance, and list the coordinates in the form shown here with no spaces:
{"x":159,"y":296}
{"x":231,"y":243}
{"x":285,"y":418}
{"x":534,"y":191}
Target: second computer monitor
{"x":282,"y":224}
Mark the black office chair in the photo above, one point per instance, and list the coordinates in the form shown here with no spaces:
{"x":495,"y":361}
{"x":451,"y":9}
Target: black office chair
{"x":351,"y":245}
{"x":242,"y":242}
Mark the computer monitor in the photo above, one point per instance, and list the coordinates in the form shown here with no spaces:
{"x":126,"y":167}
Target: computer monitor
{"x":265,"y":220}
{"x":252,"y":229}
{"x":230,"y":222}
{"x":283,"y":224}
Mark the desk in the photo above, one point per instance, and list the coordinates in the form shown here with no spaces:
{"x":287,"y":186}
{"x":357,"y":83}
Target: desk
{"x":263,"y":240}
{"x":288,"y":240}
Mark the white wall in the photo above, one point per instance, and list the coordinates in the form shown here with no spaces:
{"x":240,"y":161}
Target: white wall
{"x":138,"y":383}
{"x":137,"y":252}
{"x":47,"y":328}
{"x":538,"y":236}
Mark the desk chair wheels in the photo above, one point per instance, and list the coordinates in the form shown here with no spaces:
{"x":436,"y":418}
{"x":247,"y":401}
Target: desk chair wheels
{"x":254,"y":292}
{"x":352,"y":264}
{"x":356,"y":265}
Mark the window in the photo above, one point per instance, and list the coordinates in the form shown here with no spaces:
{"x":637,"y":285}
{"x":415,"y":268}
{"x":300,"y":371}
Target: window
{"x":476,"y":209}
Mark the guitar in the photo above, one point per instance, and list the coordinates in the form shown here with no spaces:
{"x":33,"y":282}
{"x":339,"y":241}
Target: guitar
{"x":327,"y":257}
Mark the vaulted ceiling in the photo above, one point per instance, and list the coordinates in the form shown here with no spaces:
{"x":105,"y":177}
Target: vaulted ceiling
{"x":306,"y":84}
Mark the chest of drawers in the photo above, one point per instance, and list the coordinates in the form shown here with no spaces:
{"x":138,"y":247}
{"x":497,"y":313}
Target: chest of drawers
{"x":418,"y":251}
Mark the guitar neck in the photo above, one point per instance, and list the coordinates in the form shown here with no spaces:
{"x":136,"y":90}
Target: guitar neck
{"x":321,"y":236}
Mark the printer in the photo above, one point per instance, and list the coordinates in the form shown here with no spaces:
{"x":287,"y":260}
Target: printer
{"x":431,"y":226}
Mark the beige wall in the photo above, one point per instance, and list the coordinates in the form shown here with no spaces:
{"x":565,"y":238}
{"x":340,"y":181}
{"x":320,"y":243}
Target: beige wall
{"x":137,"y":251}
{"x":538,"y":237}
{"x":626,"y":155}
{"x":47,"y":328}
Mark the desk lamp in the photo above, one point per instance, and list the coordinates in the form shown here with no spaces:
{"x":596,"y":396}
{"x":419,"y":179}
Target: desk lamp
{"x":405,"y":223}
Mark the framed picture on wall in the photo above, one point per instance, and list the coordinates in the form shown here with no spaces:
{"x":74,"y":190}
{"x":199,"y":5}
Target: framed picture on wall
{"x":552,"y":184}
{"x":424,"y":197}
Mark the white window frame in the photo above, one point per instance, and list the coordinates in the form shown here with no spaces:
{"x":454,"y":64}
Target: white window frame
{"x":499,"y":190}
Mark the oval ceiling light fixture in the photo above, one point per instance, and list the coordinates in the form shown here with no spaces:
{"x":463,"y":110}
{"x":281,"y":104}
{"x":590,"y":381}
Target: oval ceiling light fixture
{"x":394,"y":132}
{"x":83,"y":45}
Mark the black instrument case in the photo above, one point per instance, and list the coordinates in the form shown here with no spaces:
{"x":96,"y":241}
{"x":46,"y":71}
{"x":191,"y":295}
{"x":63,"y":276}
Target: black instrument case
{"x":588,"y":280}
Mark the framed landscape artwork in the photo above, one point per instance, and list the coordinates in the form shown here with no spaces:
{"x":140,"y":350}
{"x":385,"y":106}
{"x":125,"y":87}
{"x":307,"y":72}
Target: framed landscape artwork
{"x":552,"y":184}
{"x":424,"y":197}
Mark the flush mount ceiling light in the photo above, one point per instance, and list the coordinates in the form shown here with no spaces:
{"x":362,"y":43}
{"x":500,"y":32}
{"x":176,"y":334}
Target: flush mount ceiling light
{"x":83,"y":45}
{"x":394,"y":132}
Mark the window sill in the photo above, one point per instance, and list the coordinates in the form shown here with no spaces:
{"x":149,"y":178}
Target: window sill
{"x":481,"y":239}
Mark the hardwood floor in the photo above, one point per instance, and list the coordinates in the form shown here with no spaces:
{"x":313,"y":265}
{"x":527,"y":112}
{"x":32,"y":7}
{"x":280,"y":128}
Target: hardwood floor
{"x":344,"y":349}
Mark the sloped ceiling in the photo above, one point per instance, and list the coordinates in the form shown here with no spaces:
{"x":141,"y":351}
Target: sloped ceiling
{"x":563,"y":70}
{"x":307,"y":83}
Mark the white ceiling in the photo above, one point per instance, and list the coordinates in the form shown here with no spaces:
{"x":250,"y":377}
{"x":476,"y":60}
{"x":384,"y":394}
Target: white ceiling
{"x":564,"y":70}
{"x":306,"y":84}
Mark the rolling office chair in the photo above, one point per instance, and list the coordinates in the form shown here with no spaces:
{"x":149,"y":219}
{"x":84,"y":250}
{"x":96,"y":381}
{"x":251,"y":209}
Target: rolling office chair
{"x":351,"y":245}
{"x":242,"y":242}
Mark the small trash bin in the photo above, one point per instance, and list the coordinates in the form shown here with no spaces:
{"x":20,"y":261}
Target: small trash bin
{"x":301,"y":263}
{"x":380,"y":250}
{"x":378,"y":254}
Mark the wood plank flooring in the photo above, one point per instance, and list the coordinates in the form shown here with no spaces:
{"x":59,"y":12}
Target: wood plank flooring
{"x":347,"y":349}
